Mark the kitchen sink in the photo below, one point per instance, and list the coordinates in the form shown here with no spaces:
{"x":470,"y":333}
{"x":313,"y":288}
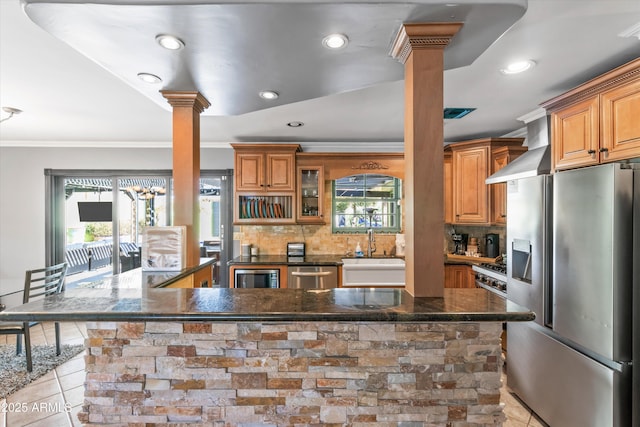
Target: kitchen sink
{"x":364,"y":272}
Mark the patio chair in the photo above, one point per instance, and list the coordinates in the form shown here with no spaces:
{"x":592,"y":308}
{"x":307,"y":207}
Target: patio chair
{"x":38,"y":283}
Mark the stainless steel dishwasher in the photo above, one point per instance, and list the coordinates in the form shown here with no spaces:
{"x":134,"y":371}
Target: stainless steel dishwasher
{"x":312,"y":277}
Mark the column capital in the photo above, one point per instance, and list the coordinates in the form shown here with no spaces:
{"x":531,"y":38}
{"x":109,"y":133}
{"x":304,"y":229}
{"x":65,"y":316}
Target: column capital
{"x":431,"y":35}
{"x":186,"y":99}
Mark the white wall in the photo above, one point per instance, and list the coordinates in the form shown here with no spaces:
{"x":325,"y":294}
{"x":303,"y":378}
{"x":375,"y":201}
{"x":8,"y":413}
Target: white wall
{"x":22,"y":198}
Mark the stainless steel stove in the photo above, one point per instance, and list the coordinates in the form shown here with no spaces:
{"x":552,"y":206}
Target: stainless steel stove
{"x":492,"y":277}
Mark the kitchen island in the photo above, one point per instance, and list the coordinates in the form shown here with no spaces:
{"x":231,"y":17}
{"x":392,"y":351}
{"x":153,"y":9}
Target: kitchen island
{"x":286,"y":356}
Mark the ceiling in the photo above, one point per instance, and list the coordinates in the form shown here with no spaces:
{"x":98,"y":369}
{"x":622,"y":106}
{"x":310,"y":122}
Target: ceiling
{"x":72,"y":67}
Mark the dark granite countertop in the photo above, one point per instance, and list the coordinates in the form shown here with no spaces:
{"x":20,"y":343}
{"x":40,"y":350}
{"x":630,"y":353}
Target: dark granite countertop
{"x":284,"y":260}
{"x":208,"y":304}
{"x":137,"y":279}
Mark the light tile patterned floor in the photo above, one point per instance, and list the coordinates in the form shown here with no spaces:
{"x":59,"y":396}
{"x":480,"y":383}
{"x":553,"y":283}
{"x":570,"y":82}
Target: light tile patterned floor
{"x":54,"y":392}
{"x":65,"y":385}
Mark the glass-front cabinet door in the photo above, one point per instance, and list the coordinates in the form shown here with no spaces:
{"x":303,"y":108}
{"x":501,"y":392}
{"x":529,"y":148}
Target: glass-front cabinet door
{"x":310,"y":180}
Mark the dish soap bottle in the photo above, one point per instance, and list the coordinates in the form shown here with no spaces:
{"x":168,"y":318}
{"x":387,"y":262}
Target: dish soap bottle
{"x":359,"y":252}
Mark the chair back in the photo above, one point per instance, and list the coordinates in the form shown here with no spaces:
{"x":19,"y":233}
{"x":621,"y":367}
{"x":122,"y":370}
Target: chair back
{"x":44,"y":281}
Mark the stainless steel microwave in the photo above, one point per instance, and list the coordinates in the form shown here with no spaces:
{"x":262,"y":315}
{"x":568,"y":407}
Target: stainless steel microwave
{"x":257,"y":278}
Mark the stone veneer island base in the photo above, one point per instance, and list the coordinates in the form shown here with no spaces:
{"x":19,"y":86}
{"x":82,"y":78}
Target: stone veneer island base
{"x":286,"y":374}
{"x":284,"y":357}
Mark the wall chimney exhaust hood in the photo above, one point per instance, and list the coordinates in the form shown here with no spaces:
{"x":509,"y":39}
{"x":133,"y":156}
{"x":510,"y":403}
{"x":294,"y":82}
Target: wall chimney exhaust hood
{"x":535,"y":161}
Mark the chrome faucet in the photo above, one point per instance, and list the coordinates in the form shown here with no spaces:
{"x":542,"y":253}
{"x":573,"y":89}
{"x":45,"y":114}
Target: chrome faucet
{"x":371,"y":247}
{"x":371,"y":244}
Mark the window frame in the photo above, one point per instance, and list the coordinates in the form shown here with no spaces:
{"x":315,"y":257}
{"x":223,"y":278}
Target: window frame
{"x":365,"y":201}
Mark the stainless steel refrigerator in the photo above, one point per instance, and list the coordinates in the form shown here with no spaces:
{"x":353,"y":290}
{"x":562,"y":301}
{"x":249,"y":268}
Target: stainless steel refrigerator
{"x":571,"y":249}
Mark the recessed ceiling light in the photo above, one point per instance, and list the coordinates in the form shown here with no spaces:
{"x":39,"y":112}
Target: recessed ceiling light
{"x":149,"y":78}
{"x":169,"y":42}
{"x":295,"y":124}
{"x":268,"y":94}
{"x":335,"y":41}
{"x":518,"y":67}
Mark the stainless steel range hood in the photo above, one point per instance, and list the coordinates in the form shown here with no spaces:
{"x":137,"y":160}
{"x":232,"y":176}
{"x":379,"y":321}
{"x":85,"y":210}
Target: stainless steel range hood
{"x":535,"y":161}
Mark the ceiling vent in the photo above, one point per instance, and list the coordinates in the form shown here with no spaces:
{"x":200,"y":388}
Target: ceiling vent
{"x":456,"y":113}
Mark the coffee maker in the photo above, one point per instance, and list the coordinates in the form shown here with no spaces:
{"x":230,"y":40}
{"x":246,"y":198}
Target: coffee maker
{"x":460,"y":243}
{"x":492,"y":245}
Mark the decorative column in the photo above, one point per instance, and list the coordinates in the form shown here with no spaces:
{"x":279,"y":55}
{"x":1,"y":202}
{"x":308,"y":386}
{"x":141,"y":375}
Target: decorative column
{"x":187,"y":107}
{"x":420,"y":47}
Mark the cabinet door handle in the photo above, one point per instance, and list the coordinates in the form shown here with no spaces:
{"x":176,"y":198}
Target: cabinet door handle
{"x":605,"y":151}
{"x":591,"y":151}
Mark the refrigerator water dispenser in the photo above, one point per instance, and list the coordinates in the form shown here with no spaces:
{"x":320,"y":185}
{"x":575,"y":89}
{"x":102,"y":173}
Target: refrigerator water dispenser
{"x":521,"y":260}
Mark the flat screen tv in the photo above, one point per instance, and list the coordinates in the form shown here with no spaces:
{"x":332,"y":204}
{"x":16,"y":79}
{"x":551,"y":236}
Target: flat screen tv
{"x":94,"y":211}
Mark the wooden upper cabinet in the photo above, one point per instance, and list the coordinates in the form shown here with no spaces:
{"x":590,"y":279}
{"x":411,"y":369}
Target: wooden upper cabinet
{"x":448,"y":186}
{"x":265,"y":168}
{"x":281,"y":172}
{"x":470,"y":194}
{"x":575,"y":135}
{"x":310,"y":195}
{"x":472,"y":201}
{"x":249,"y":171}
{"x":265,"y":183}
{"x":597,"y":122}
{"x":501,"y":157}
{"x":620,"y":126}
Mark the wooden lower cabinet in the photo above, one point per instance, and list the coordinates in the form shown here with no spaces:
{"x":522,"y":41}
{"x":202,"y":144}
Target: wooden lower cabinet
{"x":459,"y":276}
{"x":185,"y":282}
{"x":203,"y":278}
{"x":200,"y":279}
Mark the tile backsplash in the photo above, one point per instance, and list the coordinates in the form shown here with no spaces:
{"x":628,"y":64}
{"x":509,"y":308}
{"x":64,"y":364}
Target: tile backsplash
{"x":474,"y":231}
{"x":319,"y":240}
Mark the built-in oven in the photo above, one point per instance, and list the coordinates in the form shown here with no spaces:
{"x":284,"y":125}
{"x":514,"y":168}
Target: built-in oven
{"x":257,"y":278}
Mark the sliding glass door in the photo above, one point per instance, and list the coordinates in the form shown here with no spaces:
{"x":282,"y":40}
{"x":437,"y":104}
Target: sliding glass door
{"x":95,"y":219}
